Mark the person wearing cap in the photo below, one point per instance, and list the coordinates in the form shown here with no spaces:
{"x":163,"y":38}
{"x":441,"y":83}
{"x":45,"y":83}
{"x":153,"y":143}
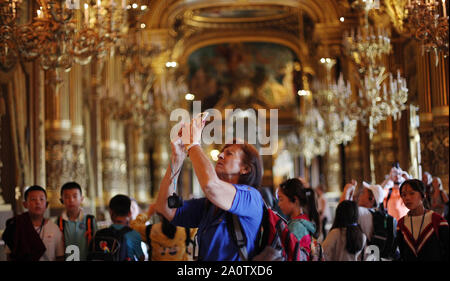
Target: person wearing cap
{"x":370,"y":198}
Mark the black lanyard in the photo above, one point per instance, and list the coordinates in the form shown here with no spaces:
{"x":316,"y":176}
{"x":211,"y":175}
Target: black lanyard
{"x":421,"y":224}
{"x":40,"y":228}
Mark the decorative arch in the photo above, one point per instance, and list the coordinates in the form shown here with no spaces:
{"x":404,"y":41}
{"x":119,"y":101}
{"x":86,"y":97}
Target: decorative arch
{"x":164,"y":13}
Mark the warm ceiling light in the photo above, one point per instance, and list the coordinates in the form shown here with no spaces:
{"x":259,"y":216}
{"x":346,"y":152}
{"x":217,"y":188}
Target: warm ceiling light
{"x":214,"y":154}
{"x":171,"y":64}
{"x":189,"y":96}
{"x":303,"y":92}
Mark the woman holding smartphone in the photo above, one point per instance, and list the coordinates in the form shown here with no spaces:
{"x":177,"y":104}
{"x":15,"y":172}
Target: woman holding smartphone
{"x":229,"y":188}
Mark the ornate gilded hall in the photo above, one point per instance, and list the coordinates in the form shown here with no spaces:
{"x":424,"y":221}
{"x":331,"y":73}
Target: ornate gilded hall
{"x":88,"y":88}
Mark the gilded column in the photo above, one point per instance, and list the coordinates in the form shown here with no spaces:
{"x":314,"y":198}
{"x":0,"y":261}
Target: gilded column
{"x":95,"y":140}
{"x":425,"y":114}
{"x":121,"y":158}
{"x":59,"y":152}
{"x":353,"y":161}
{"x":110,"y":156}
{"x":333,"y":169}
{"x":79,"y":172}
{"x":131,"y":149}
{"x":37,"y":123}
{"x":141,"y":170}
{"x":440,"y":112}
{"x":383,"y":150}
{"x":160,"y":156}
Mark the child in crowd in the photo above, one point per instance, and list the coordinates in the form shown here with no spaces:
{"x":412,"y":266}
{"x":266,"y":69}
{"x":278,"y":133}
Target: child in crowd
{"x":422,"y":235}
{"x":345,"y":241}
{"x":120,"y":211}
{"x":299,"y":203}
{"x":78,"y":228}
{"x":30,"y":236}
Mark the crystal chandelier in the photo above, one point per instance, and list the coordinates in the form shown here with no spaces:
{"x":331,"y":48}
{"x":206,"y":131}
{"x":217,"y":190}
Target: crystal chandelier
{"x":312,"y":139}
{"x":428,"y":21}
{"x":378,"y":97}
{"x":332,"y":100}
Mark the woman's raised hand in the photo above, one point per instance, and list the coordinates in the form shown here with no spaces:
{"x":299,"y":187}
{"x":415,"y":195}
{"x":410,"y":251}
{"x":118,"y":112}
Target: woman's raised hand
{"x":192,"y":132}
{"x":178,"y":151}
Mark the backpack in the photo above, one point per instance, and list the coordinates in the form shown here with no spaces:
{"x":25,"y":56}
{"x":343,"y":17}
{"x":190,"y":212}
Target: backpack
{"x":89,"y":221}
{"x":316,"y":251}
{"x":384,"y":232}
{"x":276,"y":241}
{"x":148,"y":231}
{"x":109,"y":244}
{"x":312,"y":247}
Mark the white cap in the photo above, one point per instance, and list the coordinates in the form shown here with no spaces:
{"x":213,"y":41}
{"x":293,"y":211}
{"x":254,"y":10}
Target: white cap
{"x":377,"y":190}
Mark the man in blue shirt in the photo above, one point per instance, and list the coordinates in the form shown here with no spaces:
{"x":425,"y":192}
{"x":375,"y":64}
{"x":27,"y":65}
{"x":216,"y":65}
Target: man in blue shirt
{"x":228,"y":187}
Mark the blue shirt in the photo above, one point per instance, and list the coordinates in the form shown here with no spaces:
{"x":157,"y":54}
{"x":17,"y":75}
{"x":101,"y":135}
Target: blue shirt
{"x":214,"y":239}
{"x":133,"y":240}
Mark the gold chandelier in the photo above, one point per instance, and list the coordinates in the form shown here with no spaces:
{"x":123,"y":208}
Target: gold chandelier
{"x":16,"y":41}
{"x":62,"y":32}
{"x":428,"y":21}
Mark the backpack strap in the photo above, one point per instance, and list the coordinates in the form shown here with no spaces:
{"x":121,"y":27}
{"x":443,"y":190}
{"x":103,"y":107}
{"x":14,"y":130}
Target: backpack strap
{"x":60,"y":223}
{"x":239,"y":237}
{"x":148,"y":230}
{"x":188,"y":236}
{"x":388,"y":197}
{"x":89,"y":228}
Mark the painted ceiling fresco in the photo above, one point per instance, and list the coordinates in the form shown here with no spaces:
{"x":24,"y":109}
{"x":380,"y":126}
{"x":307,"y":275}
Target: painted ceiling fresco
{"x":246,"y":73}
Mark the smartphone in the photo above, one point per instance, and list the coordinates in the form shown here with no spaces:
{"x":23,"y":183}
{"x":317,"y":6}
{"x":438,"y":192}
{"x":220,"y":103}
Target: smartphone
{"x":203,"y":115}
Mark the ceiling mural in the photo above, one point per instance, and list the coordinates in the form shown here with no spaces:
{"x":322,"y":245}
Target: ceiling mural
{"x":243,"y":13}
{"x":243,"y":73}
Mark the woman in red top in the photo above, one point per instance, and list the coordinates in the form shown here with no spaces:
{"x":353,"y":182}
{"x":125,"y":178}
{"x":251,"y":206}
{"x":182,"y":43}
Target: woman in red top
{"x":422,"y":235}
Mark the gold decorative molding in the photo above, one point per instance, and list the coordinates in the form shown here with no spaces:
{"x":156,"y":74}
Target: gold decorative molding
{"x":396,"y":11}
{"x":440,"y":111}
